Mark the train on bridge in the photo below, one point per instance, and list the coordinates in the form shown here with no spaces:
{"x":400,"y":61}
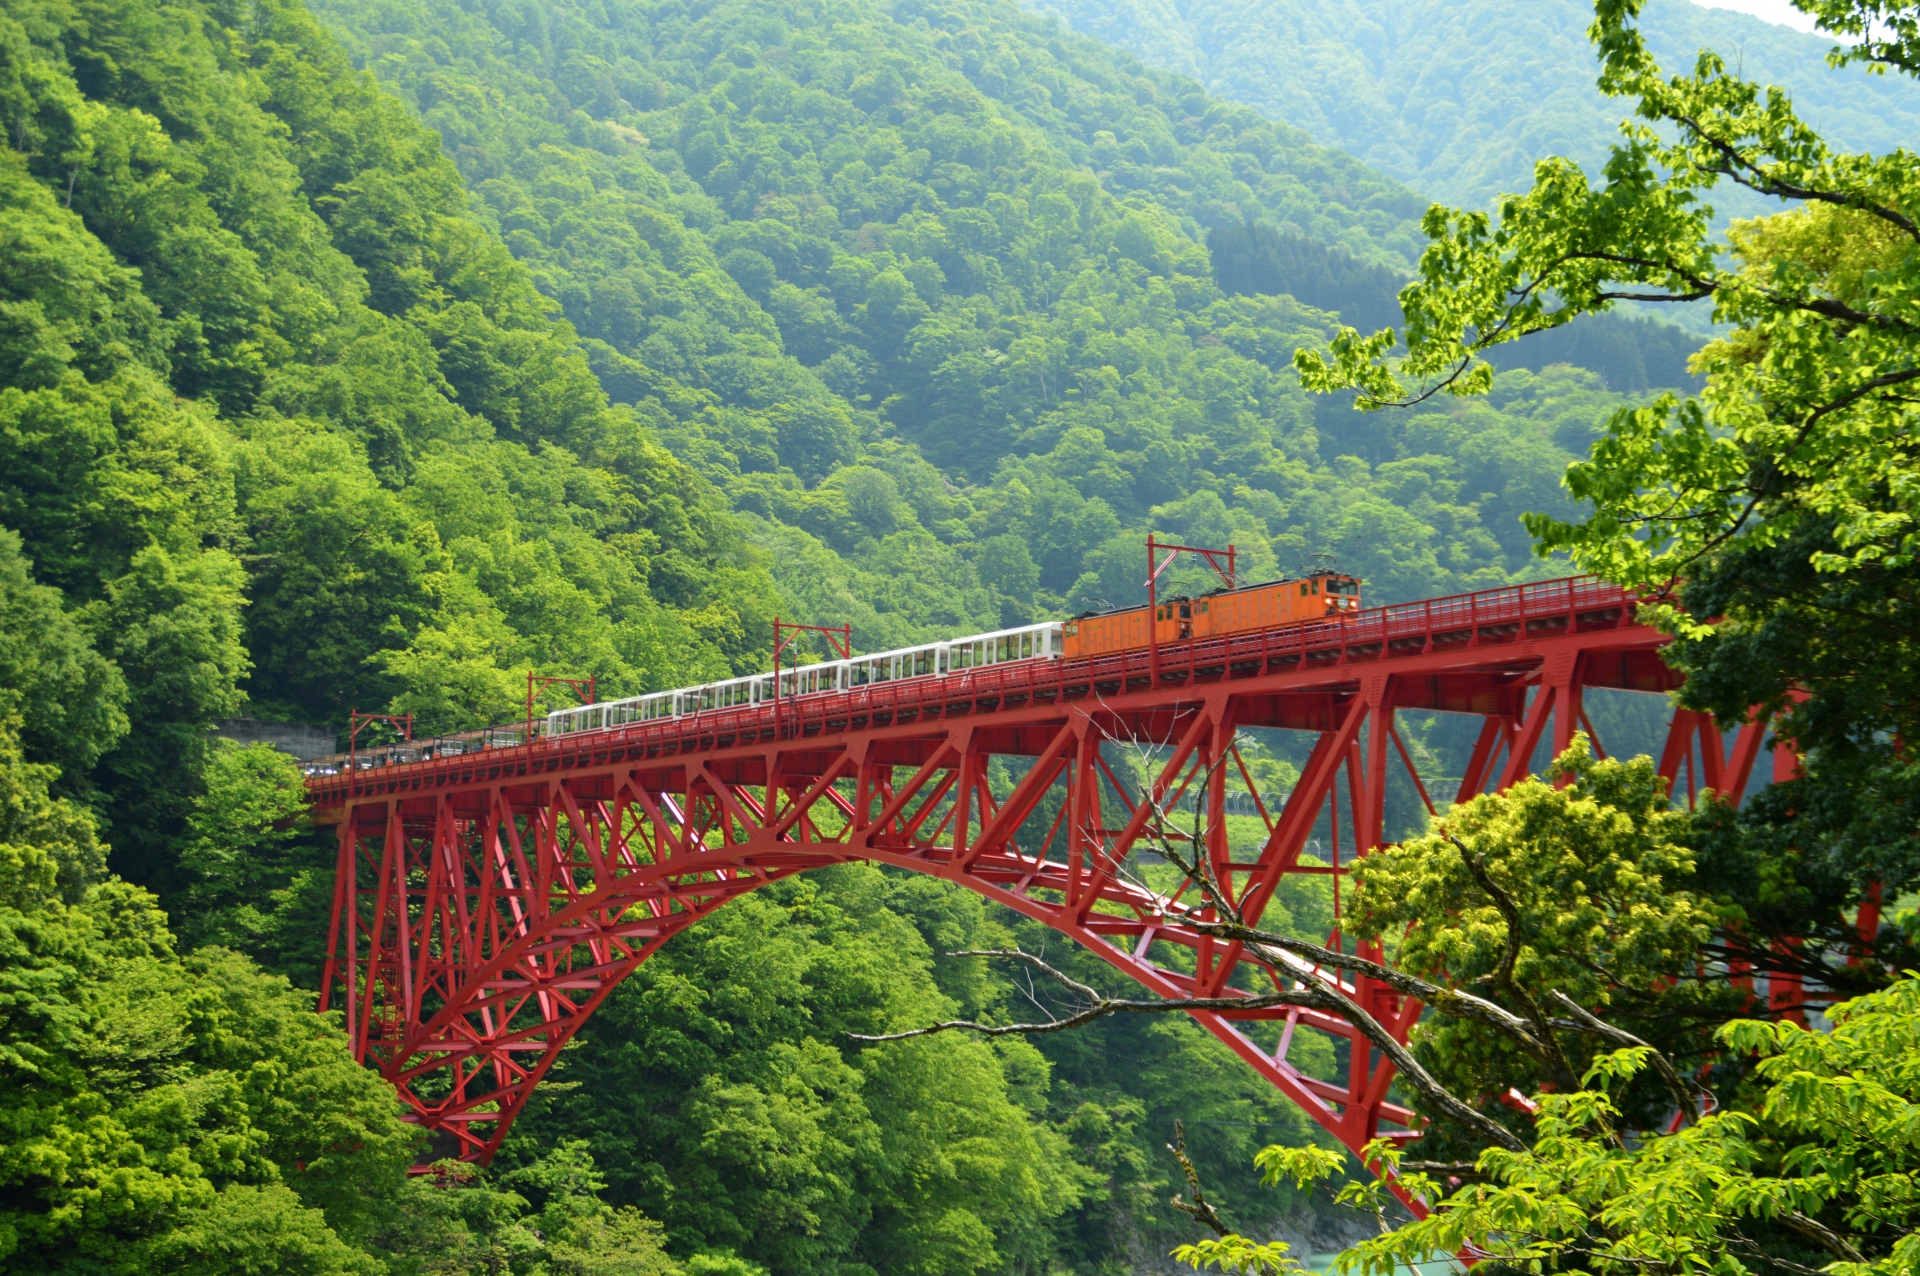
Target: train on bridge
{"x":1321,"y":595}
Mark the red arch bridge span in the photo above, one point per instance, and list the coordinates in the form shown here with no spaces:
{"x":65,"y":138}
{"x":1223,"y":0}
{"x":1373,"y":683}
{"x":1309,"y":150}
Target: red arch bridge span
{"x":485,"y":904}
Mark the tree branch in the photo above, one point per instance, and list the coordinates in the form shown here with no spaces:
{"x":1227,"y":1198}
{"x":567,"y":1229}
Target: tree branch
{"x":1554,"y":1057}
{"x":1767,"y":184}
{"x":1197,"y":1209}
{"x":1317,"y":996}
{"x":1817,"y":1232}
{"x":1295,"y":954}
{"x":1586,"y":1021}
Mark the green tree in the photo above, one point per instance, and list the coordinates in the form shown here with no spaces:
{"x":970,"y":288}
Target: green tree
{"x":1819,"y":1170}
{"x":1780,"y":494}
{"x":1779,"y":501}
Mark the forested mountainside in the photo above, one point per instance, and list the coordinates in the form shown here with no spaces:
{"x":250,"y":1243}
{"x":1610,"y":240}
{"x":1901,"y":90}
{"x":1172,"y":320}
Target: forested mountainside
{"x":1459,"y":100}
{"x":585,"y":339}
{"x":930,"y":286}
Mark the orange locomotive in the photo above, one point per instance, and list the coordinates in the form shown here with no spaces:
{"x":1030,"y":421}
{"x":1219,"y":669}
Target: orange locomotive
{"x":1280,"y":602}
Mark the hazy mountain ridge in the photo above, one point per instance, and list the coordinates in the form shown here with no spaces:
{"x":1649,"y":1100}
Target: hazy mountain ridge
{"x":1459,"y":98}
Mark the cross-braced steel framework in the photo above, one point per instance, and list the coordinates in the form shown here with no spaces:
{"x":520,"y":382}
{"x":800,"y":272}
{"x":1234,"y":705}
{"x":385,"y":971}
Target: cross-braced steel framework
{"x":485,"y":905}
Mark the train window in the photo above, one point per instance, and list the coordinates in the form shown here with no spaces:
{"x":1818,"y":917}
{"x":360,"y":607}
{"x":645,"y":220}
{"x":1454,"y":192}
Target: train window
{"x":1203,"y":609}
{"x":1026,"y":645}
{"x":1303,"y":589}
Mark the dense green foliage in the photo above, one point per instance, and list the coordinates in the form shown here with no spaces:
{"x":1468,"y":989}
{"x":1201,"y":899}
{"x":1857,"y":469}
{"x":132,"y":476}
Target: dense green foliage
{"x":1460,"y":100}
{"x":237,"y":424}
{"x":1257,"y":259}
{"x":164,"y":1112}
{"x":1824,"y":1155}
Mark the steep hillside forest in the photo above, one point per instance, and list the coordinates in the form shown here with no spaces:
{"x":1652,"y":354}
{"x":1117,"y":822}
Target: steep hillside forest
{"x":1460,"y":100}
{"x":370,"y":354}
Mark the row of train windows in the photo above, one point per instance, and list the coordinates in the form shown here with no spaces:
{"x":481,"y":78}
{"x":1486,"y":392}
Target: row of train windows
{"x":964,"y":655}
{"x":807,"y":681}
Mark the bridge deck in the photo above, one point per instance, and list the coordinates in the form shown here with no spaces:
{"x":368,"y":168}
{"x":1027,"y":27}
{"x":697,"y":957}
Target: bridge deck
{"x":1492,"y":633}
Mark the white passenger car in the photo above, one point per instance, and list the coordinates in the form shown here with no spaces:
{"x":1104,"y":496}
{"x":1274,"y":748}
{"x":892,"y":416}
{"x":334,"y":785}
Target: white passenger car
{"x":835,"y":677}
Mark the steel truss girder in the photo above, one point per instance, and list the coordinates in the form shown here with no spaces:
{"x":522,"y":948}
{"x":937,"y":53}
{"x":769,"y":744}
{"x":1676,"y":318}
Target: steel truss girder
{"x":478,"y":924}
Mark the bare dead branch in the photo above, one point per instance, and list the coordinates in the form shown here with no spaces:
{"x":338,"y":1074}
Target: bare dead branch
{"x":1465,"y":1171}
{"x":1316,"y":996}
{"x":1585,"y":1020}
{"x":1021,"y":955}
{"x":1817,"y":1232}
{"x":1197,"y":1209}
{"x":1451,"y":1001}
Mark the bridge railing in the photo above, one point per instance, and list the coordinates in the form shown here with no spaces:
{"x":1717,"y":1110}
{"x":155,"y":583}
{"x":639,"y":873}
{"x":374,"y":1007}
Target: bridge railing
{"x":1500,"y":615}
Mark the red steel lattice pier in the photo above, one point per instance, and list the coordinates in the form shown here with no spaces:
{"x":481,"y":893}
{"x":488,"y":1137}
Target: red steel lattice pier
{"x":485,"y":904}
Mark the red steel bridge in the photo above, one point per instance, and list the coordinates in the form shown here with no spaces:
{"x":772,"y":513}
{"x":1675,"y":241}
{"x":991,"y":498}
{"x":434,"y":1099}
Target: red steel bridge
{"x":485,"y":904}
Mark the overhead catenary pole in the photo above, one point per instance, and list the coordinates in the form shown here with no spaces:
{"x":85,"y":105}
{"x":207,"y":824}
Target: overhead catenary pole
{"x":356,"y":720}
{"x":844,"y":633}
{"x":1154,"y":567}
{"x":586,"y":688}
